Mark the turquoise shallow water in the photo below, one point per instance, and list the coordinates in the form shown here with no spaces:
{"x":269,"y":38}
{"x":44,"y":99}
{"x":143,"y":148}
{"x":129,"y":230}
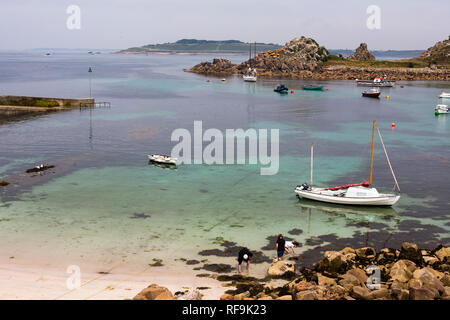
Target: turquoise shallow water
{"x":92,"y":207}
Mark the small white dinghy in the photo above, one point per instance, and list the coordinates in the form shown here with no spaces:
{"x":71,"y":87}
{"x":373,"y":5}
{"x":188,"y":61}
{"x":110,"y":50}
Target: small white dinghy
{"x":441,"y":109}
{"x":444,"y":95}
{"x":160,"y":158}
{"x":351,"y":194}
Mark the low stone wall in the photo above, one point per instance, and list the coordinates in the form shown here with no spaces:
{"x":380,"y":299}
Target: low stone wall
{"x":40,"y":102}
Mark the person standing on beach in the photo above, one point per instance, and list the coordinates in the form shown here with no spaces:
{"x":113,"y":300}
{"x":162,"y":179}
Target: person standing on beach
{"x":291,"y":245}
{"x":244,"y":255}
{"x":280,"y":245}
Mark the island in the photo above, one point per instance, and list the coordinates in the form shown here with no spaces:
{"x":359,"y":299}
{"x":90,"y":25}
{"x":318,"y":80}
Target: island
{"x":304,"y":58}
{"x":194,"y":46}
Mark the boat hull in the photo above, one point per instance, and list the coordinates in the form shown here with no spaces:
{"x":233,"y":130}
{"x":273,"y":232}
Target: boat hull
{"x":382,"y":200}
{"x":156,"y":159}
{"x":313,"y":88}
{"x":371,"y":94}
{"x":249,"y":78}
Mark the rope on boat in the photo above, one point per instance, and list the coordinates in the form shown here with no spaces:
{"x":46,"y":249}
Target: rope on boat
{"x":387,"y":158}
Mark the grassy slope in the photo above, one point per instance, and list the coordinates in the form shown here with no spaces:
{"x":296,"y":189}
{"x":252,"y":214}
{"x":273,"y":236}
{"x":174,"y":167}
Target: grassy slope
{"x":407,"y":63}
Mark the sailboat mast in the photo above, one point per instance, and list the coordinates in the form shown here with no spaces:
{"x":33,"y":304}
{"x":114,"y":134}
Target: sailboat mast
{"x":312,"y":160}
{"x":250,"y":55}
{"x":371,"y":154}
{"x":389,"y":162}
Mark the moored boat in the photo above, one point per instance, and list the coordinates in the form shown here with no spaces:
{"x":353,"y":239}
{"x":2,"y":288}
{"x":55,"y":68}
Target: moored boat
{"x":372,"y":93}
{"x":362,"y":194}
{"x":318,"y":88}
{"x":444,"y":95}
{"x":160,"y":158}
{"x":441,"y":109}
{"x":281,"y":89}
{"x":377,"y":82}
{"x":249,"y":77}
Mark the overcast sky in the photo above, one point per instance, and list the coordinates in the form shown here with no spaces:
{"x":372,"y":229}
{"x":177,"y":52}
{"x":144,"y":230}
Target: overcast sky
{"x":116,"y":24}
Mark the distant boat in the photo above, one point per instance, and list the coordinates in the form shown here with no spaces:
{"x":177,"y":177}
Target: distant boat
{"x":48,"y":54}
{"x":444,"y":95}
{"x":250,"y":76}
{"x":441,"y":109}
{"x":160,"y":158}
{"x":372,"y":93}
{"x":377,"y":82}
{"x":313,"y":88}
{"x":281,"y":89}
{"x":351,"y":194}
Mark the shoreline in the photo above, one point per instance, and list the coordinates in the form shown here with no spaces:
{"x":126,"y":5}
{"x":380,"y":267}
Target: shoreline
{"x":344,"y":73}
{"x":407,"y":273}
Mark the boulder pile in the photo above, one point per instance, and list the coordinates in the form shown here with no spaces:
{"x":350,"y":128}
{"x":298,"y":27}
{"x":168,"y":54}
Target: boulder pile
{"x":408,"y":273}
{"x":155,"y":292}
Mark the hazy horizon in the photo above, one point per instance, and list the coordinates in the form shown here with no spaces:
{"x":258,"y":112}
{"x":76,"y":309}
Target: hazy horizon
{"x":120,"y":24}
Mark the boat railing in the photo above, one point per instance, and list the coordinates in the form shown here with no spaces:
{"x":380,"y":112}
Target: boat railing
{"x":103,"y":104}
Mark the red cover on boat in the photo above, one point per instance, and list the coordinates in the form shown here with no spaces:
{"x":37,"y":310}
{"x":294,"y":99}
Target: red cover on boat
{"x":346,"y":186}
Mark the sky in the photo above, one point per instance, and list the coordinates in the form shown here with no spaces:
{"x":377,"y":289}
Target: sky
{"x":120,"y":24}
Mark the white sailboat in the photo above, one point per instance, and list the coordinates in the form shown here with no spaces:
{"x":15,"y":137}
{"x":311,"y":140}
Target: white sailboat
{"x":352,"y":194}
{"x":250,"y":76}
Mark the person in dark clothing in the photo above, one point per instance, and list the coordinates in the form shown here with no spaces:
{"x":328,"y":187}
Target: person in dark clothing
{"x":244,"y":255}
{"x":280,"y":245}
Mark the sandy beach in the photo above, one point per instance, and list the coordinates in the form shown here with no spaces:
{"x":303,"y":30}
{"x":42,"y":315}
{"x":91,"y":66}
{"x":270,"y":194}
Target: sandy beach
{"x":24,"y":281}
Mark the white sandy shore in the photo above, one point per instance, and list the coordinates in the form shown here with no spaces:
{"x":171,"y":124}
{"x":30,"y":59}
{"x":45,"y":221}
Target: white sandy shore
{"x":35,"y":277}
{"x":31,"y":281}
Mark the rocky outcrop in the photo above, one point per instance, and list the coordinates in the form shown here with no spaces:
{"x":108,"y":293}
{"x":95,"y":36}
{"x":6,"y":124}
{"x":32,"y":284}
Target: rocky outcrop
{"x":296,"y":55}
{"x":440,"y":52}
{"x":343,"y":275}
{"x":219,"y":66}
{"x":3,"y":183}
{"x":154,"y":292}
{"x":281,"y":269}
{"x":362,"y":53}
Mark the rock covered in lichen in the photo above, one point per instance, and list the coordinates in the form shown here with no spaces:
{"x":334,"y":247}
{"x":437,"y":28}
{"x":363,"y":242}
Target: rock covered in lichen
{"x":440,"y":52}
{"x":219,"y":66}
{"x":362,"y":53}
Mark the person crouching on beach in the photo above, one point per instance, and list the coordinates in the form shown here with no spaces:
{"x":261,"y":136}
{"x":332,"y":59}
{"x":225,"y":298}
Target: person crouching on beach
{"x":280,"y":245}
{"x":244,"y":255}
{"x":291,"y":245}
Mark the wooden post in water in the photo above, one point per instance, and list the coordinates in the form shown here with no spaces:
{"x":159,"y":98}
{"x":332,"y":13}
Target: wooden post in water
{"x":371,"y":154}
{"x":90,"y":82}
{"x":312,"y":160}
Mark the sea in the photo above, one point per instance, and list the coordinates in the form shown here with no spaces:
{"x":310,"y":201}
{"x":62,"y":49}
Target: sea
{"x":103,"y":201}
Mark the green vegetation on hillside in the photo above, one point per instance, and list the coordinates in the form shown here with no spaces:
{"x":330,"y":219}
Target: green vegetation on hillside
{"x":334,"y":60}
{"x":193,"y":45}
{"x":30,"y":103}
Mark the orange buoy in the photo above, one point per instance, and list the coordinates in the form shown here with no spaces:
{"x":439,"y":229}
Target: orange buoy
{"x":207,"y":80}
{"x":393,"y":126}
{"x":328,"y":89}
{"x":292,"y":91}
